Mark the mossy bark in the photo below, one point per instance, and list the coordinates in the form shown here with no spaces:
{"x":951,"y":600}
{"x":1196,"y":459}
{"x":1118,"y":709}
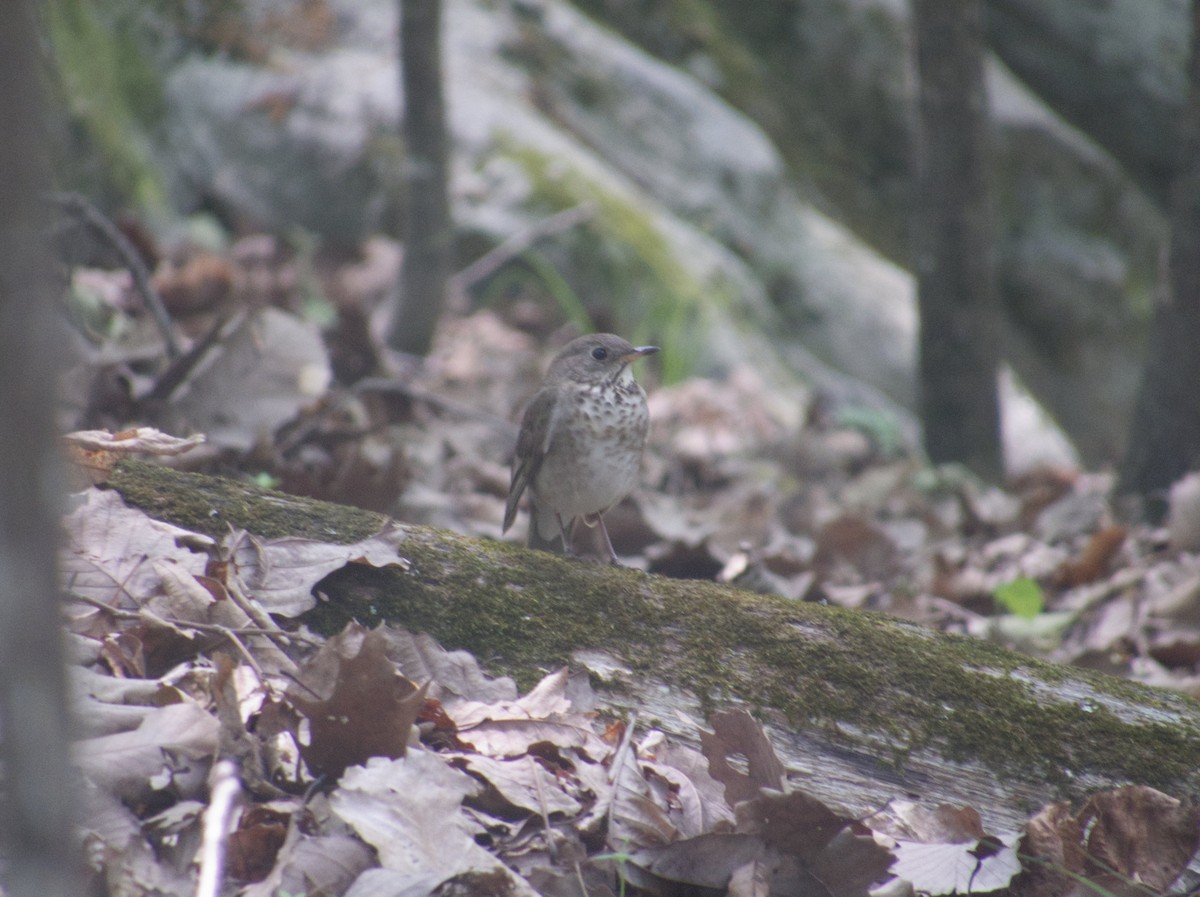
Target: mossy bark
{"x":862,"y":707}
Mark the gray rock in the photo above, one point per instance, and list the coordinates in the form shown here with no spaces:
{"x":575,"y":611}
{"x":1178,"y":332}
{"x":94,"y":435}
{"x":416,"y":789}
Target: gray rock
{"x":305,"y":143}
{"x":1077,"y":241}
{"x":1115,"y":69}
{"x":700,"y":227}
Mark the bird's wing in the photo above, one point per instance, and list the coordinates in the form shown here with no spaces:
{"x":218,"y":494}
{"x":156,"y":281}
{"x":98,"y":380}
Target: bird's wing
{"x":530,"y":450}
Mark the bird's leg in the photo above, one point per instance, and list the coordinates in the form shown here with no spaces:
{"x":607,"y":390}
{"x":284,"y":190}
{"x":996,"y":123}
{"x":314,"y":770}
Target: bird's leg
{"x":568,"y":535}
{"x":612,"y":555}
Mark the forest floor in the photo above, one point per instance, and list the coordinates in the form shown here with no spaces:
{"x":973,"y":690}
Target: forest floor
{"x":783,"y":494}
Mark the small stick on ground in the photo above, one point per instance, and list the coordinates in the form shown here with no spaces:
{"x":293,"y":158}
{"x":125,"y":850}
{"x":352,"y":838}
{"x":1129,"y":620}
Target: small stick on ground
{"x":79,"y":206}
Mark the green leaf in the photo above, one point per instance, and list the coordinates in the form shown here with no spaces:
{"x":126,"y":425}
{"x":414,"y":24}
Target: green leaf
{"x":1022,"y":597}
{"x":264,"y":480}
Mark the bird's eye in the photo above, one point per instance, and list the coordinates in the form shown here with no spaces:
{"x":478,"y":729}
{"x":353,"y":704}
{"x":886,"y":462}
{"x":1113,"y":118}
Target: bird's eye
{"x":599,"y":353}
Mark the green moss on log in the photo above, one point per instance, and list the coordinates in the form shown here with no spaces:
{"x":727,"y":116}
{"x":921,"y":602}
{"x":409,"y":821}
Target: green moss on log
{"x":870,"y":682}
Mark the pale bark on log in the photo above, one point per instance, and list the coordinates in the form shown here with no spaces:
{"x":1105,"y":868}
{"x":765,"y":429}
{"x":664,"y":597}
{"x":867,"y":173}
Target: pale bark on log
{"x":863,"y":708}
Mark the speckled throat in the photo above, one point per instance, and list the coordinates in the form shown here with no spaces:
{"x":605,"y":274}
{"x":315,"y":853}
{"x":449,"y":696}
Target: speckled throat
{"x":594,"y":454}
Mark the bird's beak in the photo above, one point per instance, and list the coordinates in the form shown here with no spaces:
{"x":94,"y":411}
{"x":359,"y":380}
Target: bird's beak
{"x":639,"y":352}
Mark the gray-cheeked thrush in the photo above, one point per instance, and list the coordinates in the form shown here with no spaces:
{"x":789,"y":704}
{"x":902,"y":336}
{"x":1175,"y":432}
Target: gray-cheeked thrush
{"x":580,"y":446}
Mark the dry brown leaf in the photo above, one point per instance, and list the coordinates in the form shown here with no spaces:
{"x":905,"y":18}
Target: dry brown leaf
{"x":583,"y":879}
{"x":514,"y":737}
{"x":736,"y":733}
{"x":325,"y":864}
{"x":907,"y":821}
{"x":1096,"y":558}
{"x":547,"y":700}
{"x":455,"y":675}
{"x":95,"y":718}
{"x":139,"y":440}
{"x":1124,"y":841}
{"x":522,"y":783}
{"x":364,"y":707}
{"x":251,"y":850}
{"x":636,"y":821}
{"x":409,"y":811}
{"x":269,"y":367}
{"x":138,"y":870}
{"x":112,"y":551}
{"x":1138,"y":834}
{"x":706,"y":420}
{"x":854,"y":543}
{"x":1053,"y":845}
{"x":849,"y":866}
{"x":103,"y":818}
{"x":281,"y":573}
{"x":974,"y":867}
{"x":171,"y":749}
{"x":511,"y":728}
{"x":175,"y":835}
{"x":1178,"y":649}
{"x":680,"y":797}
{"x":750,"y":880}
{"x":809,"y":845}
{"x":700,"y":797}
{"x":119,"y":852}
{"x":794,"y":822}
{"x":706,"y":861}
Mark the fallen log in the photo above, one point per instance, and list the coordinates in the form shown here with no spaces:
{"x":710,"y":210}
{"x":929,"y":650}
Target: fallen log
{"x":862,"y":707}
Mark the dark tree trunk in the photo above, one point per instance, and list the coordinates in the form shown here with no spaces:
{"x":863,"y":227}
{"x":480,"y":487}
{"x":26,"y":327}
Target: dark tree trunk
{"x":35,"y":819}
{"x":1164,"y":441}
{"x":959,"y":351}
{"x":428,"y":234}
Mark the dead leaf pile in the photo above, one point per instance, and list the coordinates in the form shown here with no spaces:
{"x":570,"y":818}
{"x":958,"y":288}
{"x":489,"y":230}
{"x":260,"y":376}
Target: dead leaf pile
{"x":375,"y":762}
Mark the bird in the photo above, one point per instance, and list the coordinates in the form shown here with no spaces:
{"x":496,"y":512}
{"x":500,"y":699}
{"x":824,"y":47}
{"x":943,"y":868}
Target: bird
{"x":579,"y":449}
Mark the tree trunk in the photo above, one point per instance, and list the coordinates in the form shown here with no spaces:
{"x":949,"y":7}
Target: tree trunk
{"x":428,"y":236}
{"x":959,"y":352}
{"x":35,"y":808}
{"x":863,"y":708}
{"x":1164,"y":440}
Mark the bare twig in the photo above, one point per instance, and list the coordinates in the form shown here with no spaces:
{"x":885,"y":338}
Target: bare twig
{"x":296,"y":437}
{"x":183,"y":365}
{"x":621,"y":756}
{"x":82,"y":208}
{"x":276,"y":634}
{"x":233,"y":588}
{"x":242,"y":650}
{"x":441,"y":403}
{"x":225,"y":789}
{"x":495,"y":258}
{"x":542,"y":808}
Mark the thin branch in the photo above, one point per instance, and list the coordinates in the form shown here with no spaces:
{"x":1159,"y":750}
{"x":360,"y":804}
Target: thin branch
{"x":283,"y":638}
{"x":541,"y":797}
{"x":441,"y":403}
{"x":82,"y":208}
{"x":233,"y":589}
{"x":183,"y":365}
{"x":500,"y":255}
{"x":225,"y":788}
{"x":505,"y":429}
{"x":228,"y":633}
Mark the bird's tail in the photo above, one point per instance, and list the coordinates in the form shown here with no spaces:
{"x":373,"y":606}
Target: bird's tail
{"x":545,"y":531}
